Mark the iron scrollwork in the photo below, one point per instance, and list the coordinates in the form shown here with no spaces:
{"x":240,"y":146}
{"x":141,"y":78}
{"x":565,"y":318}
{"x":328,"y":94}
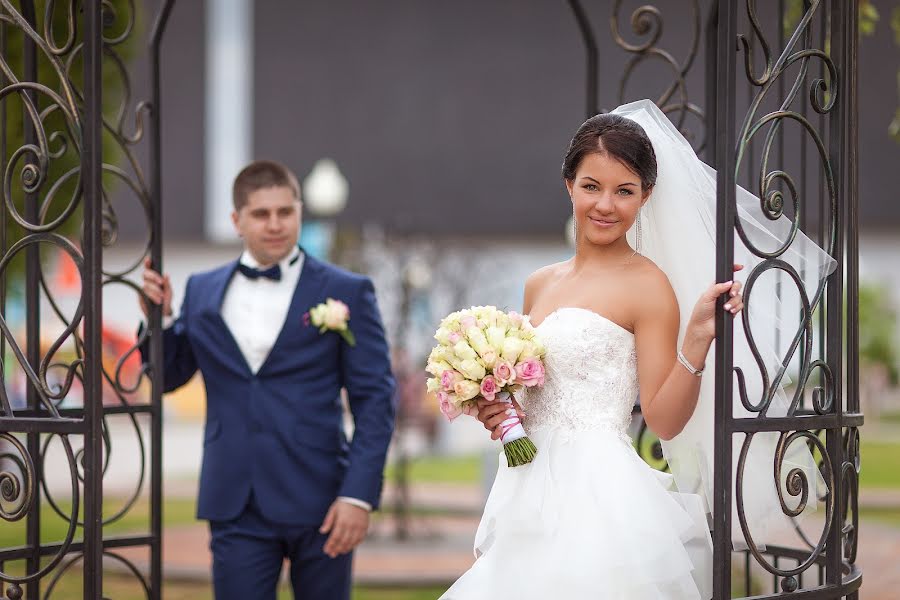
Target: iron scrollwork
{"x":775,"y":187}
{"x":645,"y":22}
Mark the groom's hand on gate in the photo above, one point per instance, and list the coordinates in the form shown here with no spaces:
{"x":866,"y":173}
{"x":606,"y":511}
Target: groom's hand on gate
{"x":157,"y":288}
{"x":491,"y":414}
{"x":347,"y":524}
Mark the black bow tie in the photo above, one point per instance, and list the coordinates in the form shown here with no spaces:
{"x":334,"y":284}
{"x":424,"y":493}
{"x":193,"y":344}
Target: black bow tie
{"x":273,"y":272}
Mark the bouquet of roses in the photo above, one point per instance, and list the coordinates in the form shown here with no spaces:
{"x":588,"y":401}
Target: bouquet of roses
{"x":483,"y":352}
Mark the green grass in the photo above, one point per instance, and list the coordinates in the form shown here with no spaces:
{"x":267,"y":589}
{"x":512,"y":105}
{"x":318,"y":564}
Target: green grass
{"x":890,"y":417}
{"x":136,"y":520}
{"x":880,"y":467}
{"x":885,"y":515}
{"x":442,"y":469}
{"x":880,"y":464}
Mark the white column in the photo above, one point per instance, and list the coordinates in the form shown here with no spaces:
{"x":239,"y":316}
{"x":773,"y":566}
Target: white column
{"x":229,"y":108}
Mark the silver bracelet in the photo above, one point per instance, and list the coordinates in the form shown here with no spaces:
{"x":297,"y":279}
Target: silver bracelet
{"x":688,"y":365}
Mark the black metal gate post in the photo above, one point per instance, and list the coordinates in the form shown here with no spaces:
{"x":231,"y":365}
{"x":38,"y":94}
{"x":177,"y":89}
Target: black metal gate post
{"x":724,"y":158}
{"x":91,"y":164}
{"x":156,"y":348}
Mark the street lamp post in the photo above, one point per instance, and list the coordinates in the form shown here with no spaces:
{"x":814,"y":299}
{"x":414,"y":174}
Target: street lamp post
{"x":325,"y":192}
{"x":416,"y":280}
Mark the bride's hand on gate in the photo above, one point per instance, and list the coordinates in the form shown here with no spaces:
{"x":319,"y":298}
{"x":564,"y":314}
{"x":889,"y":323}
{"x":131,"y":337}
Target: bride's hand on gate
{"x":703,"y":319}
{"x":491,"y":414}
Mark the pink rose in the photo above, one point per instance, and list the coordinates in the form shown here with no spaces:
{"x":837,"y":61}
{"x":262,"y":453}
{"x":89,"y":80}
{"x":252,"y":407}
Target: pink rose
{"x":530,"y":372}
{"x":504,"y":372}
{"x":489,"y":388}
{"x":450,"y":410}
{"x":449,"y":379}
{"x":454,"y":338}
{"x":467,"y":321}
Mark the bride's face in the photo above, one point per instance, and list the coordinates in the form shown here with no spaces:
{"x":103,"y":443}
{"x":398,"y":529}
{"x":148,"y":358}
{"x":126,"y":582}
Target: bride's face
{"x":606,"y":197}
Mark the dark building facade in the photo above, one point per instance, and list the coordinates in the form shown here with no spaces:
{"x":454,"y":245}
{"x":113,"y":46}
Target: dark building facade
{"x":451,"y":118}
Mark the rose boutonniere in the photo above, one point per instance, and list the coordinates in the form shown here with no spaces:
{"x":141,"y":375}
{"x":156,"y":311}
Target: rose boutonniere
{"x":331,"y":315}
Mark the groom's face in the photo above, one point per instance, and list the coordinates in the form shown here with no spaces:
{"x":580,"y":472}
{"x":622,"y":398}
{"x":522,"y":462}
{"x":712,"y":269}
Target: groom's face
{"x":269,"y":223}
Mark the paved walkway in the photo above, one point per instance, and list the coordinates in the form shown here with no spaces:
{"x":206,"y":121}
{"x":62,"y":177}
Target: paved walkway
{"x":439,"y":548}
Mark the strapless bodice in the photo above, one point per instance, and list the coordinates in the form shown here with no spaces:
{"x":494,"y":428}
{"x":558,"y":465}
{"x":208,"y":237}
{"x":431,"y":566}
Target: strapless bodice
{"x":591,"y":374}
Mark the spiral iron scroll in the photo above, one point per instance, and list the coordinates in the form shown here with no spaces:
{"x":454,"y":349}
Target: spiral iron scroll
{"x":646,"y":24}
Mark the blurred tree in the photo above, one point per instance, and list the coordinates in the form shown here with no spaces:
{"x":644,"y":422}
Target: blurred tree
{"x":878,"y":330}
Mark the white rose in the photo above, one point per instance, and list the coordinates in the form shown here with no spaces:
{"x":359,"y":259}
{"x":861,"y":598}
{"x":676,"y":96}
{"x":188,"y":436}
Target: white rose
{"x":464,"y":351}
{"x":512,"y":347}
{"x":495,"y":337}
{"x":528,"y":351}
{"x":437,"y":367}
{"x":472,"y":369}
{"x":317,"y":315}
{"x":466,"y":390}
{"x":336,"y":314}
{"x":442,"y":335}
{"x":477,"y":340}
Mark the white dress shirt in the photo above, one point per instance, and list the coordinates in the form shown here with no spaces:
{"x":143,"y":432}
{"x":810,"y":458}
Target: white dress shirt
{"x":255,"y":310}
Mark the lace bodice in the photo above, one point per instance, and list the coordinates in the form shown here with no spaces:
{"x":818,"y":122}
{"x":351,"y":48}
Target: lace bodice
{"x":591,"y":375}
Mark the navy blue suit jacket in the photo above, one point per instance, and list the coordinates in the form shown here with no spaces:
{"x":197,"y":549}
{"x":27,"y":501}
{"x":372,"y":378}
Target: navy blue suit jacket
{"x":278,"y":433}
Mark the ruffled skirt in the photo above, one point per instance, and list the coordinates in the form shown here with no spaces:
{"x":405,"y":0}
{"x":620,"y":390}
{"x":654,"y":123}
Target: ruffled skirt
{"x":588,"y":519}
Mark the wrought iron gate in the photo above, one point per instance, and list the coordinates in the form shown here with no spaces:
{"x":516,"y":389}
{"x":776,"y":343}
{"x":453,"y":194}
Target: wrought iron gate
{"x":807,"y":78}
{"x":65,"y":380}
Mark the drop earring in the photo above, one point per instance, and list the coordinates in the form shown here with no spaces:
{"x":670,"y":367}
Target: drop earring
{"x":574,"y":222}
{"x":638,"y":231}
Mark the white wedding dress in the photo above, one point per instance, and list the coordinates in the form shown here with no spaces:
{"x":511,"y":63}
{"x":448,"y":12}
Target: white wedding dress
{"x":588,"y":518}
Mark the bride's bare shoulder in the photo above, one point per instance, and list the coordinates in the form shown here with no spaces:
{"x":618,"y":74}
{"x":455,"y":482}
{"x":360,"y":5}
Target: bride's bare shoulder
{"x":545,"y":275}
{"x":539,"y":279}
{"x":649,"y":281}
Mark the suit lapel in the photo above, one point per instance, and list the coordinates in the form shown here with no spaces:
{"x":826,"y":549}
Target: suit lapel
{"x":306,"y":295}
{"x":224,"y":337}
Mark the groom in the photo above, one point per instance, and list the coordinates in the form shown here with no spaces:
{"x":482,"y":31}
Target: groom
{"x":279,"y":479}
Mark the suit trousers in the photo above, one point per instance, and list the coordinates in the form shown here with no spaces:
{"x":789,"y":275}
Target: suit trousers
{"x":249,"y":551}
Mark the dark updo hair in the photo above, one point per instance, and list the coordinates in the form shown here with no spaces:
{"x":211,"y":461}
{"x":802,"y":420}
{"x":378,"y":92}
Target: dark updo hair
{"x":620,"y":138}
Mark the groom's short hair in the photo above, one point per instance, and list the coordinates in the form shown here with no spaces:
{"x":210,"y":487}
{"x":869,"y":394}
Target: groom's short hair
{"x":262,"y":174}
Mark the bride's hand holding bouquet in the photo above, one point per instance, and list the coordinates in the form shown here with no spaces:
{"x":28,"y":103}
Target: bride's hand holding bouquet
{"x":483,"y":357}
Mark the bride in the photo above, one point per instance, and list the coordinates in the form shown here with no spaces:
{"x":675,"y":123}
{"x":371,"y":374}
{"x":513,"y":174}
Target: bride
{"x":624,"y":316}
